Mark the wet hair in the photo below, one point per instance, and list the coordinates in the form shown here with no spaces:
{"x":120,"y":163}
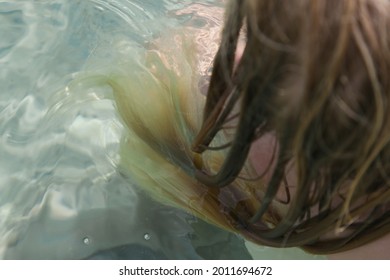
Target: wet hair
{"x":315,"y":75}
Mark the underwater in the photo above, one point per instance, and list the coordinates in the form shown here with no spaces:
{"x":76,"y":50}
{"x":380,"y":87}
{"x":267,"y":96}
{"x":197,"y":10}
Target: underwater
{"x":80,"y":80}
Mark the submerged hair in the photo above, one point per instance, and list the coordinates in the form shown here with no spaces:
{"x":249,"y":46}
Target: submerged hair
{"x":157,"y":96}
{"x":315,"y":74}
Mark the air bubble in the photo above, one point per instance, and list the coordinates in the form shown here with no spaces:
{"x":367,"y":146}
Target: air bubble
{"x":86,"y":240}
{"x":147,"y":236}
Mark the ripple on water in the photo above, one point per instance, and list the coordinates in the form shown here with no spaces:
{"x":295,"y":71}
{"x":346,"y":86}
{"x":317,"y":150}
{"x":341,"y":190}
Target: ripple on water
{"x":13,"y":28}
{"x":59,"y":146}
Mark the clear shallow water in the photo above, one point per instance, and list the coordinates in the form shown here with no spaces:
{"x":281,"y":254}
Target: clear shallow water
{"x":61,"y":195}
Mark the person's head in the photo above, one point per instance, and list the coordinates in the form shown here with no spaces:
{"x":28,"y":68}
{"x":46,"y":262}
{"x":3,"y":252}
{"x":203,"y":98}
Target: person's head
{"x":315,"y":75}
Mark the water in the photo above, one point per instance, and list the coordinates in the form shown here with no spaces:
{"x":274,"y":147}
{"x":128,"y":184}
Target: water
{"x":61,"y":195}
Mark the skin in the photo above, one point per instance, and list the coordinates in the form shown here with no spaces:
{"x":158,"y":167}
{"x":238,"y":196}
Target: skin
{"x":261,"y":156}
{"x":377,"y":250}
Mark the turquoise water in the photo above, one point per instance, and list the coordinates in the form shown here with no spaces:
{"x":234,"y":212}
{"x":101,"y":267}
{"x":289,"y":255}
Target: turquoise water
{"x":61,"y":194}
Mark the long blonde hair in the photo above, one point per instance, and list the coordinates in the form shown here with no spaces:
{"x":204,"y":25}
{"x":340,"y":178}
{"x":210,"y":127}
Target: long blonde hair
{"x":317,"y":75}
{"x":313,"y":73}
